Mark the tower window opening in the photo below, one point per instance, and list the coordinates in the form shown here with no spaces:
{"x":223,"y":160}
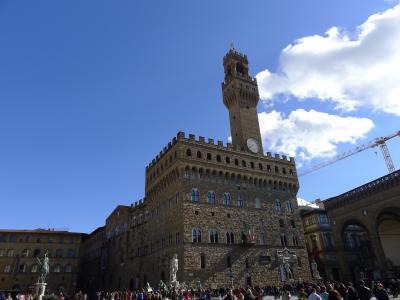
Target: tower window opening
{"x":199,"y":154}
{"x":236,"y":162}
{"x":218,"y":158}
{"x":243,"y":163}
{"x":209,"y":156}
{"x":188,"y":152}
{"x":228,"y":160}
{"x":202,"y":261}
{"x":228,"y":262}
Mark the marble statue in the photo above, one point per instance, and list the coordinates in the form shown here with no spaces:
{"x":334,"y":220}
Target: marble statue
{"x":162,"y":285}
{"x":148,"y":287}
{"x":173,"y":268}
{"x":314,"y":268}
{"x":44,"y":267}
{"x":288,"y":271}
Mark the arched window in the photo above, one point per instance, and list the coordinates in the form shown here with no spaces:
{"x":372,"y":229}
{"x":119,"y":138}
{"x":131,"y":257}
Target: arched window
{"x":211,"y":197}
{"x":34,"y":268}
{"x":202,"y":261}
{"x":240,"y":201}
{"x":199,"y":154}
{"x":228,"y":160}
{"x":2,"y":252}
{"x":277,"y":205}
{"x":188,"y":152}
{"x":7,"y":269}
{"x":25,"y":253}
{"x":276,"y":169}
{"x":57,"y":268}
{"x":289,"y":208}
{"x":252,"y":165}
{"x":10,"y":252}
{"x":257,"y":203}
{"x":218,"y":158}
{"x":236,"y":162}
{"x":213,"y":236}
{"x":243,"y":163}
{"x":260,"y":166}
{"x":281,"y":223}
{"x":209,"y":157}
{"x":227,"y":199}
{"x":230,"y":238}
{"x":22,"y":268}
{"x":68,"y":268}
{"x":195,"y":195}
{"x":59,"y":253}
{"x":196,"y":235}
{"x":295,"y":240}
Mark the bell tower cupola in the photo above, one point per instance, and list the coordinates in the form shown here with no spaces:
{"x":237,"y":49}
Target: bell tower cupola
{"x":240,"y":95}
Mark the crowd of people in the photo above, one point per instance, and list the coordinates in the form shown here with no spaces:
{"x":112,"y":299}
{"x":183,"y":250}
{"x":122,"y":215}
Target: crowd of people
{"x":301,"y":291}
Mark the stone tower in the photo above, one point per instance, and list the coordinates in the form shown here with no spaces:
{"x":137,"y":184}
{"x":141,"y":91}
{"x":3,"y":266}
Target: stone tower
{"x":240,"y":95}
{"x":228,"y":211}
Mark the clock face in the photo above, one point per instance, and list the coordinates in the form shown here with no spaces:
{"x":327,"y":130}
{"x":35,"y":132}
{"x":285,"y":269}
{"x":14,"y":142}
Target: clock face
{"x":252,"y":144}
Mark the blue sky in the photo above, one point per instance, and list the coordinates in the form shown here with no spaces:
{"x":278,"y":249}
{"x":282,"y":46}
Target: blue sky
{"x":90,"y":92}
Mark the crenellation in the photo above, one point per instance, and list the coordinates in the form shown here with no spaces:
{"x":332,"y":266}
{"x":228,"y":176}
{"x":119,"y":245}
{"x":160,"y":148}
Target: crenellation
{"x":207,"y":185}
{"x":180,"y":135}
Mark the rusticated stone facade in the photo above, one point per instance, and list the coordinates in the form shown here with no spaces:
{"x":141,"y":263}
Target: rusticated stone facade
{"x":225,"y":210}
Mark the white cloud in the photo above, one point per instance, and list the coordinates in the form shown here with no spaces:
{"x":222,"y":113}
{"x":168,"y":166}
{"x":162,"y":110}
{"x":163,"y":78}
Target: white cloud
{"x":310,"y":134}
{"x":353,"y":70}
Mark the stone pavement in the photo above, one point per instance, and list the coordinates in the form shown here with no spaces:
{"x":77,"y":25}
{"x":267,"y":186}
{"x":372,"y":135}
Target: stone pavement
{"x":295,"y":298}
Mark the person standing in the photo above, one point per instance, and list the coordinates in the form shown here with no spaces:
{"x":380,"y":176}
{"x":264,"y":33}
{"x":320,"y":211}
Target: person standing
{"x":380,"y":293}
{"x":313,"y":295}
{"x":286,"y":294}
{"x":364,"y":292}
{"x":324,"y":295}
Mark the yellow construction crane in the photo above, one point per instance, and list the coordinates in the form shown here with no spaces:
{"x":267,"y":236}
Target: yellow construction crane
{"x":380,"y":141}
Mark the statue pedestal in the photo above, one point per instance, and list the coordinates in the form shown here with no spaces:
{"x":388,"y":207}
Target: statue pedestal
{"x":40,"y":289}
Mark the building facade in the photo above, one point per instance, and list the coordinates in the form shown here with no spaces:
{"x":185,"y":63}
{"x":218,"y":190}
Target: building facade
{"x":366,"y":229}
{"x":19,"y":253}
{"x":228,"y":211}
{"x":319,"y":240}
